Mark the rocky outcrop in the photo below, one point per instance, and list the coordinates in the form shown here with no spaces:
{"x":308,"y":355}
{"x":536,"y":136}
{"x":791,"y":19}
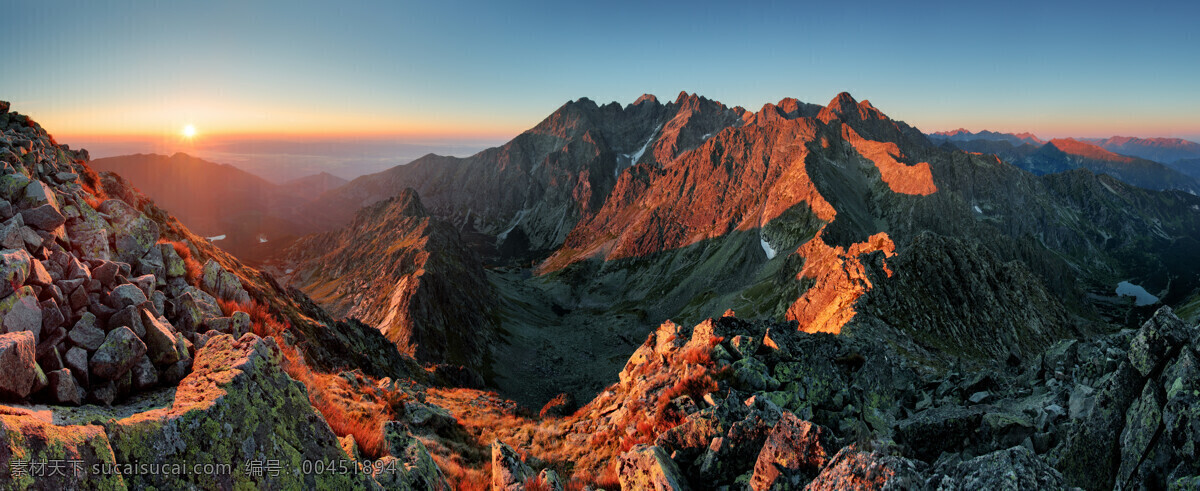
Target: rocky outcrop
{"x":236,"y":406}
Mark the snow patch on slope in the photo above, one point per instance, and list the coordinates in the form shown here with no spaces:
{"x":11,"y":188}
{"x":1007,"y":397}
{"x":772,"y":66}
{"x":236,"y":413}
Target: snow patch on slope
{"x":635,"y":156}
{"x":520,"y":215}
{"x":766,"y":247}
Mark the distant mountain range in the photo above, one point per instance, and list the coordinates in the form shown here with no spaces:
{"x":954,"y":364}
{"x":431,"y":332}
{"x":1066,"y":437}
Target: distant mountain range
{"x":1153,"y":163}
{"x":242,"y":211}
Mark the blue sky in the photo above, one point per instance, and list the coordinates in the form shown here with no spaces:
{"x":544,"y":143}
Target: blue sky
{"x":488,"y":70}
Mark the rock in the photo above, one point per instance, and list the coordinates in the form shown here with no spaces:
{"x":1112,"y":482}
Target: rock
{"x":17,"y":364}
{"x":146,"y":283}
{"x":1089,"y":457}
{"x":509,"y":472}
{"x":11,"y":236}
{"x":160,"y":340}
{"x":1014,"y":469}
{"x":14,"y":269}
{"x":133,"y":233}
{"x":103,"y":393}
{"x":144,"y":374}
{"x":429,"y":416}
{"x":1141,"y":423}
{"x":793,"y":453}
{"x":551,"y":480}
{"x":23,"y":314}
{"x":91,"y":243}
{"x":77,"y":360}
{"x":38,"y":274}
{"x":120,"y":351}
{"x":106,"y":272}
{"x":1149,"y":347}
{"x":649,"y":467}
{"x":222,"y":283}
{"x":83,"y":447}
{"x":85,"y":334}
{"x":193,"y":306}
{"x":12,"y":185}
{"x":63,"y":387}
{"x":1081,"y":401}
{"x":125,"y":296}
{"x":38,"y":193}
{"x":413,"y":467}
{"x":45,"y":217}
{"x":754,"y":375}
{"x":942,"y":429}
{"x":852,"y":468}
{"x":979,"y":397}
{"x":128,"y":317}
{"x":236,"y":394}
{"x":239,"y":323}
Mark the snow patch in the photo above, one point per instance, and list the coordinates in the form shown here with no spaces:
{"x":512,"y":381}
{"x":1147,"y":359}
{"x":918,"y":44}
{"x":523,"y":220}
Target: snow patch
{"x":288,"y":271}
{"x":766,"y":248}
{"x":262,"y":239}
{"x":634,"y":157}
{"x":977,"y":210}
{"x":216,"y":238}
{"x":706,"y":136}
{"x":520,"y":215}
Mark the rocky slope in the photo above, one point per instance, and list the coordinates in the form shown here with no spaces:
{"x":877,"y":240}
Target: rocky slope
{"x":408,"y":274}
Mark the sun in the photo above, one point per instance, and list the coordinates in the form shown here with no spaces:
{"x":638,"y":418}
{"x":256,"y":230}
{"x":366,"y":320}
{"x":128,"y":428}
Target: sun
{"x":189,"y":131}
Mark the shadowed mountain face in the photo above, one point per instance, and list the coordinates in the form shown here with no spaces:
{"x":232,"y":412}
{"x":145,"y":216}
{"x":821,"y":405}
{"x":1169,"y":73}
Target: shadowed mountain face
{"x":218,"y":200}
{"x":410,"y":275}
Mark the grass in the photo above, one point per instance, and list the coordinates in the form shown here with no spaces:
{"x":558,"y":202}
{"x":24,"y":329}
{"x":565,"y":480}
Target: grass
{"x":190,"y":265}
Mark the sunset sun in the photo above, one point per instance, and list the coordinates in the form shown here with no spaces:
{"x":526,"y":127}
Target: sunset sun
{"x":189,"y":131}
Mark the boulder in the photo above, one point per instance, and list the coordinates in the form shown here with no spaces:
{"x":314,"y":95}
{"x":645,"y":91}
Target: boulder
{"x":14,"y":269}
{"x":1017,"y":468}
{"x":125,"y":296}
{"x":133,"y":233}
{"x":63,"y":387}
{"x":793,"y":453}
{"x":128,"y":317}
{"x":408,"y":464}
{"x":85,"y":334}
{"x":22,"y":313}
{"x":942,"y":429}
{"x":45,"y":217}
{"x":430,"y":416}
{"x":17,"y":364}
{"x":144,"y":374}
{"x":79,"y":447}
{"x":239,"y":323}
{"x":1150,"y":346}
{"x":236,"y":394}
{"x":160,"y":340}
{"x":509,"y":472}
{"x":38,"y":275}
{"x":106,"y":272}
{"x":120,"y":352}
{"x":76,"y":359}
{"x":36,"y":194}
{"x":852,"y":468}
{"x":649,"y":467}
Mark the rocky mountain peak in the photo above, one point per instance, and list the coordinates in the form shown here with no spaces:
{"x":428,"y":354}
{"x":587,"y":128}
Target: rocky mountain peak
{"x":646,"y":98}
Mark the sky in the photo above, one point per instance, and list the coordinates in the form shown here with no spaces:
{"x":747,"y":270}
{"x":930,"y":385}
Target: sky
{"x":482,"y":72}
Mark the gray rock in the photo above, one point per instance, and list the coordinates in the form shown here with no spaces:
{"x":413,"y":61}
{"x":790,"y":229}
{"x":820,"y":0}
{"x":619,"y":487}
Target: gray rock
{"x":144,"y":374}
{"x":1081,"y":402}
{"x":36,"y":194}
{"x":146,"y":283}
{"x":63,"y":387}
{"x":1013,"y":469}
{"x":38,"y":274}
{"x":160,"y":340}
{"x":133,"y":233}
{"x":415,"y":468}
{"x":239,"y":324}
{"x":120,"y":352}
{"x":509,"y":472}
{"x":14,"y":269}
{"x":125,"y":296}
{"x":22,"y":312}
{"x":852,"y":468}
{"x":77,"y":360}
{"x":1148,"y":348}
{"x":18,"y":364}
{"x":644,"y":467}
{"x":45,"y":217}
{"x":85,"y":334}
{"x":129,"y":317}
{"x":106,"y":272}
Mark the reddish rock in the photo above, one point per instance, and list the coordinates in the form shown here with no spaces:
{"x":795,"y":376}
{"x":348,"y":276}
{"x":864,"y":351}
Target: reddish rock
{"x":794,"y":450}
{"x":17,"y":364}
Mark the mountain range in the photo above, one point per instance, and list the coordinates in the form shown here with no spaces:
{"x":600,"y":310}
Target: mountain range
{"x":694,"y":295}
